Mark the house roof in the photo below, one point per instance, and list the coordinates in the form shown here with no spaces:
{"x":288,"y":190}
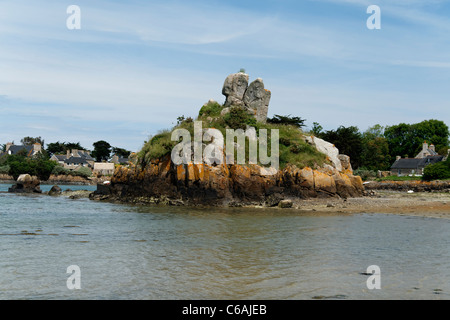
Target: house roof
{"x":17,"y":148}
{"x":75,"y":160}
{"x":415,"y":163}
{"x":60,"y":157}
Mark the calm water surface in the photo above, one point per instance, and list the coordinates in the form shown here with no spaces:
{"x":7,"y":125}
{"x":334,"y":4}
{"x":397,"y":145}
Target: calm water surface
{"x":127,"y":252}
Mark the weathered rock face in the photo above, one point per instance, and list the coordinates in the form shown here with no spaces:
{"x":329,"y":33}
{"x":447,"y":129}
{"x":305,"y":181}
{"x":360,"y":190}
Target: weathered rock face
{"x":26,"y":184}
{"x":234,"y":89}
{"x":257,"y":99}
{"x":201,"y":184}
{"x":254,"y":97}
{"x":328,"y":149}
{"x":55,"y":191}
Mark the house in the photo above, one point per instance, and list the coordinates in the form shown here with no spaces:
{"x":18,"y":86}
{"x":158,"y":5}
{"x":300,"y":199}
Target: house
{"x":119,"y":159}
{"x":30,"y":150}
{"x":415,"y":166}
{"x":427,"y":151}
{"x":104,"y":168}
{"x":74,"y":159}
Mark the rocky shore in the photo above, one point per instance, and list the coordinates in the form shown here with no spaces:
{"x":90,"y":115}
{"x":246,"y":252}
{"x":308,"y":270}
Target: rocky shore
{"x":415,"y":185}
{"x":62,"y":180}
{"x":162,"y":182}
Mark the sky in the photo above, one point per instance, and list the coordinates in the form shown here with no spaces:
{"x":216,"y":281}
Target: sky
{"x":134,"y":67}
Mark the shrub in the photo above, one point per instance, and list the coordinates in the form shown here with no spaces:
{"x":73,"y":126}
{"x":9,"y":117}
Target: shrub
{"x":211,"y":109}
{"x":288,"y":120}
{"x":83,"y":172}
{"x":239,"y":118}
{"x":365,"y":174}
{"x":4,"y":169}
{"x":440,"y":170}
{"x":60,"y":170}
{"x":157,"y":147}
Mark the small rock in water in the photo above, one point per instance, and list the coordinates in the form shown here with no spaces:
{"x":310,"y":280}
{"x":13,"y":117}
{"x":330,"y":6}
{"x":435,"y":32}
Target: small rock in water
{"x":285,"y":204}
{"x":54,"y":191}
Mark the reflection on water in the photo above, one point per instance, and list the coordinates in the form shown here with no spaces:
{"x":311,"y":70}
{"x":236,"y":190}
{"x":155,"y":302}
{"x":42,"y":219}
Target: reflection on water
{"x":128,"y":252}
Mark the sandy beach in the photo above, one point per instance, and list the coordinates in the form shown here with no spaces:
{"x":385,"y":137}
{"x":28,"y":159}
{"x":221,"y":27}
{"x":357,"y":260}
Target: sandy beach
{"x":426,"y":204}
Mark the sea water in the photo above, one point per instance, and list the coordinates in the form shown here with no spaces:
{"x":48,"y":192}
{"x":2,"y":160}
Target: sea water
{"x":137,"y":252}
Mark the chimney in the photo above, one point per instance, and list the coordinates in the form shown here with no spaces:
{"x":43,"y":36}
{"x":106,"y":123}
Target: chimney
{"x":425,"y":146}
{"x":67,"y":154}
{"x":8,"y":145}
{"x":398,"y":158}
{"x":75,"y":153}
{"x":37,"y":147}
{"x":432,"y":147}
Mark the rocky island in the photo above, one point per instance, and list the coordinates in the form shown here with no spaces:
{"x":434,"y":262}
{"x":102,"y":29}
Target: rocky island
{"x":309,"y":167}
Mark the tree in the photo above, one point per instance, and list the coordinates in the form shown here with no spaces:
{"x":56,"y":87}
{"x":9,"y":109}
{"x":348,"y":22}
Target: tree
{"x":102,"y":150}
{"x":440,"y":170}
{"x":121,"y":152}
{"x":316,"y":129}
{"x":407,"y":139}
{"x":432,"y":131}
{"x":375,"y":153}
{"x":21,"y":164}
{"x":288,"y":120}
{"x":349,"y":142}
{"x":27,"y":141}
{"x":62,"y":147}
{"x":56,"y":148}
{"x":401,"y":139}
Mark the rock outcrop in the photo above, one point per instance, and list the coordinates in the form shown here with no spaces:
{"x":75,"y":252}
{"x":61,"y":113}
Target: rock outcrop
{"x":200,"y":184}
{"x":254,"y":97}
{"x":26,"y":184}
{"x":55,"y":191}
{"x":162,"y":181}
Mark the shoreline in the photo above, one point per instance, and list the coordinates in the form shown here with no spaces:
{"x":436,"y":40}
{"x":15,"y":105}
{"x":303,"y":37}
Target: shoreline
{"x":420,"y":204}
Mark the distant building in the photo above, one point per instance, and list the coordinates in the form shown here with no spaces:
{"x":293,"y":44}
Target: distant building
{"x":30,"y":150}
{"x":119,"y":160}
{"x":74,"y":159}
{"x":415,"y":166}
{"x":427,"y":151}
{"x":104,"y":168}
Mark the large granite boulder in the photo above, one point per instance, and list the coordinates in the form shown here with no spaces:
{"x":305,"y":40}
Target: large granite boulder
{"x":254,"y":97}
{"x":234,"y":88}
{"x":26,"y":184}
{"x":257,"y":99}
{"x":328,"y":149}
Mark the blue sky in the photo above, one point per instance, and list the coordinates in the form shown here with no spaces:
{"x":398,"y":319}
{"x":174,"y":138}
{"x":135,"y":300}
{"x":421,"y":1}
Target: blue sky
{"x":135,"y":66}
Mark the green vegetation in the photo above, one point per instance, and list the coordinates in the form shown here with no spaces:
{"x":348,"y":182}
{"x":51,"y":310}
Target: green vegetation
{"x":365,"y":174}
{"x":80,"y":172}
{"x":437,"y":171}
{"x":39,"y":166}
{"x":210,"y":110}
{"x":293,"y":149}
{"x":399,"y":178}
{"x":102,"y":150}
{"x":377,"y":147}
{"x":288,"y":120}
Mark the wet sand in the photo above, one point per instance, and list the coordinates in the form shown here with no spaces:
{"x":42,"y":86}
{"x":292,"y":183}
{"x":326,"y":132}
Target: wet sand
{"x":424,"y":204}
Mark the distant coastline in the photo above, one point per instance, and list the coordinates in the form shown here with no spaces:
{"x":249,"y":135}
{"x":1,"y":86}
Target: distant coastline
{"x":61,"y":180}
